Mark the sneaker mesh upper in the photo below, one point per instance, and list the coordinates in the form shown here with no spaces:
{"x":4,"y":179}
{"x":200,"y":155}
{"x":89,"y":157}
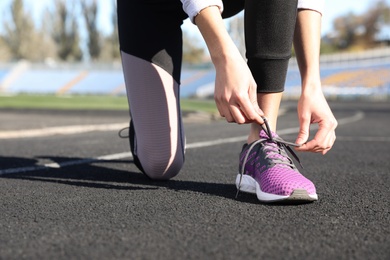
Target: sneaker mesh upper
{"x":269,"y":164}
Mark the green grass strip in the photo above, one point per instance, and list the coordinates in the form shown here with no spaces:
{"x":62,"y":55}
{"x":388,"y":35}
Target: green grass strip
{"x":79,"y":102}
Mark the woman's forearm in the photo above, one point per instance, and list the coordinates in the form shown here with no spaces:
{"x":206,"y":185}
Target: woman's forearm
{"x":218,"y":41}
{"x":307,"y":41}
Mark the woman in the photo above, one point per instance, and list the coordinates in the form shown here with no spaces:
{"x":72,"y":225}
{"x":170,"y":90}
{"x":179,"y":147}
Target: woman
{"x":245,"y":91}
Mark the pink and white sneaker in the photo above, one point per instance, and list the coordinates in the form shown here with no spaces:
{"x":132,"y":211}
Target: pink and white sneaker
{"x":267,"y":171}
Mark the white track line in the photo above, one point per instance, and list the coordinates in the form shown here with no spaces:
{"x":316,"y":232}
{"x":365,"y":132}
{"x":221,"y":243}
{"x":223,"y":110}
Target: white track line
{"x":60,"y":130}
{"x":363,"y":138}
{"x":293,"y":130}
{"x":358,"y":116}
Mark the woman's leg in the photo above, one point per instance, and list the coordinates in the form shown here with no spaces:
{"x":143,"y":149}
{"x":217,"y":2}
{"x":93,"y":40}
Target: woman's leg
{"x":265,"y":167}
{"x":269,"y":104}
{"x":269,"y":29}
{"x":151,"y":48}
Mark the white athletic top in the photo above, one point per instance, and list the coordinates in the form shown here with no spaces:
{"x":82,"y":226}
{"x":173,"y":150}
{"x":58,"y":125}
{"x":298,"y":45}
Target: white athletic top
{"x":193,"y":7}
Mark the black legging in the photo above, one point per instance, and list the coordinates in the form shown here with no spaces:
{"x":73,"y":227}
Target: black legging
{"x":151,"y":45}
{"x":148,"y":27}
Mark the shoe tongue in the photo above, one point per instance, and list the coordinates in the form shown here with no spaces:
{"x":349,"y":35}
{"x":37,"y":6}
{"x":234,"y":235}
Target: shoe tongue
{"x":263,"y":135}
{"x":273,"y":151}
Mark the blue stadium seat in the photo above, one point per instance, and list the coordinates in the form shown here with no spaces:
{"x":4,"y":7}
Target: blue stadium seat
{"x":42,"y":81}
{"x":99,"y":82}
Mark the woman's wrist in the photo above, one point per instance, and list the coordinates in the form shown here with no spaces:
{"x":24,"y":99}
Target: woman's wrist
{"x":311,"y":86}
{"x":225,"y":55}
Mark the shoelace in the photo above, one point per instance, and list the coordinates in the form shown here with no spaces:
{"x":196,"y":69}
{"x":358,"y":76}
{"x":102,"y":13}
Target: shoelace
{"x":120,"y":132}
{"x":280,"y":145}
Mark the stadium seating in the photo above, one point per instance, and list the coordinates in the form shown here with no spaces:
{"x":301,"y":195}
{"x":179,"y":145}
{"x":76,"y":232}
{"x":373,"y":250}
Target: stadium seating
{"x":2,"y":74}
{"x":342,"y":80}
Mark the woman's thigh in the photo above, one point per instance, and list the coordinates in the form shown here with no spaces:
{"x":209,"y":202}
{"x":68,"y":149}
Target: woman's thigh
{"x":151,"y":30}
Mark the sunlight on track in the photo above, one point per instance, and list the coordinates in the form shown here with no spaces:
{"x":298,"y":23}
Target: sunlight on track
{"x":357,"y":117}
{"x":60,"y":130}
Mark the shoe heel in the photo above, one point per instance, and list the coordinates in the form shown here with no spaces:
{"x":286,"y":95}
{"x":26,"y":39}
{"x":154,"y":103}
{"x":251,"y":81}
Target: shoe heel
{"x":248,"y":184}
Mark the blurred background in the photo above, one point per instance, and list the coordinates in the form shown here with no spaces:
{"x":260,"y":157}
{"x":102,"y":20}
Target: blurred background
{"x":58,"y":48}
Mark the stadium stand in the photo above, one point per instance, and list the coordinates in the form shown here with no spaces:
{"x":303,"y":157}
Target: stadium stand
{"x":99,"y":83}
{"x":192,"y":80}
{"x":2,"y":74}
{"x":42,"y":81}
{"x":363,"y":74}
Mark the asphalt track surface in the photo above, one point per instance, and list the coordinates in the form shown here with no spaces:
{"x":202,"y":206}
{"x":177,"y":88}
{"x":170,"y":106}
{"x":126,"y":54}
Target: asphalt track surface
{"x":74,"y":193}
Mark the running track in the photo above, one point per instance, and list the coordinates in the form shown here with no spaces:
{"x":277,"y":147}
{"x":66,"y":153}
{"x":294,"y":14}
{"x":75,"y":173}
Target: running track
{"x":72,"y":192}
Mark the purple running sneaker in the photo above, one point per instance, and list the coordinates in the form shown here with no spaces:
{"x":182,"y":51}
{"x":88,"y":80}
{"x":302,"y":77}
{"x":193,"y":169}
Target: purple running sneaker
{"x":267,"y":171}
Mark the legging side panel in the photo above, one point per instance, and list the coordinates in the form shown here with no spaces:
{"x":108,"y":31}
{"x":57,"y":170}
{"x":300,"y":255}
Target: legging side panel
{"x":151,"y":48}
{"x":155,"y":113}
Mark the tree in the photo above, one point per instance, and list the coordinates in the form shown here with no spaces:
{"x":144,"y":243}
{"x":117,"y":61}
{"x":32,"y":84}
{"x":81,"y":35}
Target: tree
{"x":192,"y":53}
{"x":236,"y":32}
{"x":114,"y":38}
{"x":347,"y":28}
{"x":90,"y":11}
{"x":359,"y":31}
{"x":19,"y":31}
{"x":64,"y":31}
{"x":22,"y":40}
{"x":110,"y":47}
{"x":4,"y":51}
{"x":373,"y":19}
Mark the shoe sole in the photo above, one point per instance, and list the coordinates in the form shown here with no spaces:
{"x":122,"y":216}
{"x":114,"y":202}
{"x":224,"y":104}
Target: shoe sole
{"x":136,"y":161}
{"x":250,"y":185}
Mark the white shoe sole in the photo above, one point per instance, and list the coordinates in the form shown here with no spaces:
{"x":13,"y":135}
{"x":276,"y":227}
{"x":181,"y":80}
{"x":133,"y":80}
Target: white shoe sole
{"x":250,"y":185}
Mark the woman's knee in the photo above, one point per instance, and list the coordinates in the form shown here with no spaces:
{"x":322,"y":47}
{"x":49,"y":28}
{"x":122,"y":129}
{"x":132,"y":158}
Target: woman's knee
{"x":162,"y":168}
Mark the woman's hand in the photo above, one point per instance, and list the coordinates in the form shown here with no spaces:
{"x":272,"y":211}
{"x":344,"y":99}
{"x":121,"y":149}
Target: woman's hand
{"x":313,"y":109}
{"x":312,"y":105}
{"x":236,"y":92}
{"x":235,"y":88}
